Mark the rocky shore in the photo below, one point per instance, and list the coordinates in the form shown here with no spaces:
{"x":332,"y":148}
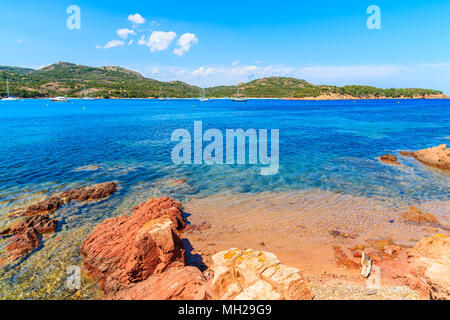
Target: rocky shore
{"x":438,"y":157}
{"x":145,"y":256}
{"x":228,"y":248}
{"x":25,"y":235}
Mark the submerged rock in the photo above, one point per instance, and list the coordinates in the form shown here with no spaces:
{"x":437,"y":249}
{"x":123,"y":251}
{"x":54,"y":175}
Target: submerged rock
{"x":26,"y":234}
{"x":416,"y":216}
{"x":99,"y":191}
{"x":342,"y":260}
{"x":389,"y":158}
{"x":125,"y":250}
{"x":255,"y":275}
{"x":44,"y":207}
{"x":438,"y":157}
{"x":24,"y":242}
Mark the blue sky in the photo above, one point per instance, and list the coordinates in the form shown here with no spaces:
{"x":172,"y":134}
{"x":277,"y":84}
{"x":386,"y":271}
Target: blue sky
{"x":225,"y":42}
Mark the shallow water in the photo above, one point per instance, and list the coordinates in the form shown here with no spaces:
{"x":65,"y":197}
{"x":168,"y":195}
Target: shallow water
{"x":324,"y":145}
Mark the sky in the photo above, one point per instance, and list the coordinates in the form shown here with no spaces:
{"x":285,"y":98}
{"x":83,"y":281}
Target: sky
{"x":210,"y":43}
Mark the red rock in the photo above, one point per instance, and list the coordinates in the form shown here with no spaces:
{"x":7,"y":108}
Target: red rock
{"x":198,"y":227}
{"x":179,"y":283}
{"x":41,"y":224}
{"x":342,"y":259}
{"x":123,"y":251}
{"x":100,"y":191}
{"x":424,"y":268}
{"x":438,"y":157}
{"x":24,"y":242}
{"x":44,"y":207}
{"x":156,"y":208}
{"x":389,"y":158}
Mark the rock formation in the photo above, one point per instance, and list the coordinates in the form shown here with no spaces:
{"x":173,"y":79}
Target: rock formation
{"x":123,"y":251}
{"x":438,"y":157}
{"x":389,"y":158}
{"x":99,"y":191}
{"x":44,"y":207}
{"x":424,"y":268}
{"x":416,"y":216}
{"x":26,"y":234}
{"x":255,"y":275}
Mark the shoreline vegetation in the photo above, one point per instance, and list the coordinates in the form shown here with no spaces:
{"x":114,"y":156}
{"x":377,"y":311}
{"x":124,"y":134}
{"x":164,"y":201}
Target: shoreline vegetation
{"x":112,"y":82}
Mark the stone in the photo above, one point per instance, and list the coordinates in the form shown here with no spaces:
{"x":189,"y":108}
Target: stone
{"x":123,"y":251}
{"x":424,"y":267}
{"x":156,"y":208}
{"x":24,"y":242}
{"x":416,"y":216}
{"x":342,"y":260}
{"x":431,"y":258}
{"x":198,"y":227}
{"x":339,"y":234}
{"x":100,"y":191}
{"x":255,"y":275}
{"x":41,"y":224}
{"x":389,"y":158}
{"x":179,"y":283}
{"x":438,"y":157}
{"x":44,"y":207}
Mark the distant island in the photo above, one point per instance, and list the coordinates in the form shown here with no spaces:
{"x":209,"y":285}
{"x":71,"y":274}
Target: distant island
{"x":111,"y":82}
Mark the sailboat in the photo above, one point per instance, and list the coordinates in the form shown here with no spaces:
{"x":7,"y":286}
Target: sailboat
{"x":8,"y":98}
{"x":203,"y":98}
{"x":85,"y":95}
{"x":238,"y":99}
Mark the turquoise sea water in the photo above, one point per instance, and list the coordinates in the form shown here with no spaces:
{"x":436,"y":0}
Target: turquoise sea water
{"x":330,"y":145}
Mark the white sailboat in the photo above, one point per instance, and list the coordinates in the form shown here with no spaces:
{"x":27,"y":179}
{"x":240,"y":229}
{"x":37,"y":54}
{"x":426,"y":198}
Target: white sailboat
{"x":85,"y":95}
{"x":203,"y":98}
{"x":8,"y":98}
{"x":238,"y":99}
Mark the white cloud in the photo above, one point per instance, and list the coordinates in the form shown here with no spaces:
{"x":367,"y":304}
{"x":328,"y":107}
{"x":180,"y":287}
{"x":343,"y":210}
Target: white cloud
{"x":136,"y":18}
{"x":185,"y":43}
{"x":124,"y":33}
{"x":431,"y":75}
{"x":130,"y":42}
{"x":203,"y":72}
{"x":112,"y":44}
{"x":19,"y":41}
{"x":159,"y":40}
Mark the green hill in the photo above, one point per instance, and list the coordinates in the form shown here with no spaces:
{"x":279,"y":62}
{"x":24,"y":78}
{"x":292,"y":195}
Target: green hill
{"x":15,"y":70}
{"x":68,"y":79}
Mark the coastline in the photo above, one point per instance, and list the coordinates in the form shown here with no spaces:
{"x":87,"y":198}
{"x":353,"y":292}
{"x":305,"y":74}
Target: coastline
{"x":321,"y":98}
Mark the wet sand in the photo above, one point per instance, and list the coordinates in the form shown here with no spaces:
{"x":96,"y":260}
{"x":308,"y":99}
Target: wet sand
{"x":296,"y":227}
